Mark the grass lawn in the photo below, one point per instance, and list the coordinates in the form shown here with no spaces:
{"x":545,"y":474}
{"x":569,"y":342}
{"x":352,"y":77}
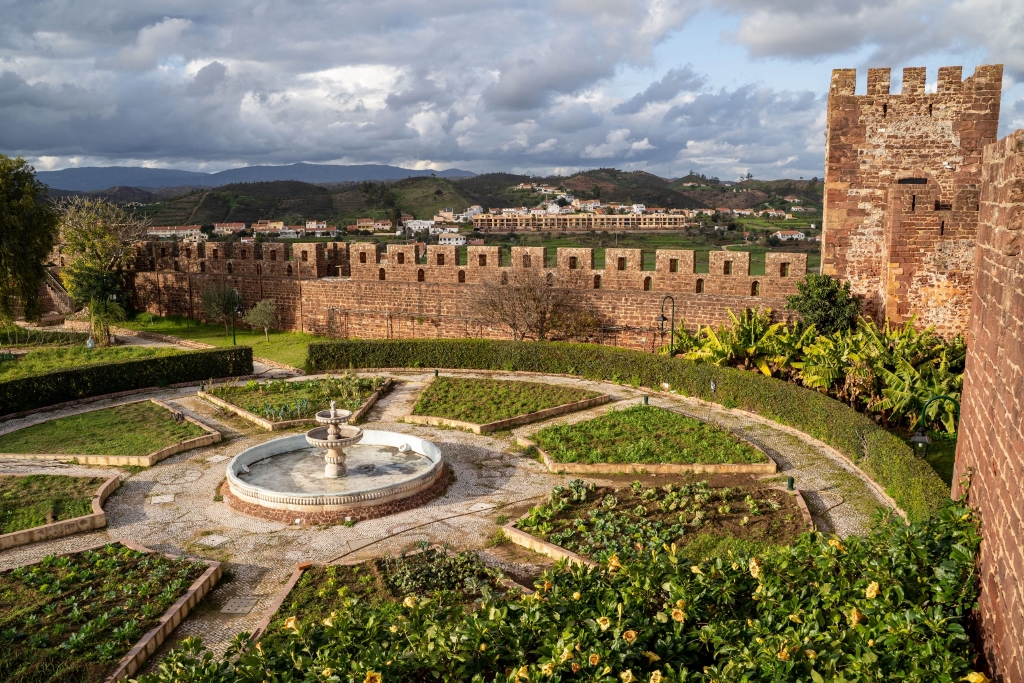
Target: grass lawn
{"x":39,"y":499}
{"x":487,"y":400}
{"x":631,"y":521}
{"x":42,"y":361}
{"x":15,"y":336}
{"x":284,"y":347}
{"x":73,"y":617}
{"x":644,"y":434}
{"x":131,"y":429}
{"x":278,"y":401}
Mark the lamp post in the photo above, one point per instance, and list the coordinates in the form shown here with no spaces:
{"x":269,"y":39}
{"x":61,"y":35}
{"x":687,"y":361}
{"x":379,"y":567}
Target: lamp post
{"x":236,"y":309}
{"x":920,"y":440}
{"x":661,"y":320}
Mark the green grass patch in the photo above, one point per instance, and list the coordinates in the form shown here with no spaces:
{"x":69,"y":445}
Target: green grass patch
{"x":645,"y":434}
{"x":130,"y":429}
{"x":42,"y":361}
{"x":284,"y":347}
{"x":278,"y":401}
{"x":16,"y":336}
{"x":481,"y":401}
{"x":38,"y":499}
{"x":73,"y":617}
{"x":631,"y":522}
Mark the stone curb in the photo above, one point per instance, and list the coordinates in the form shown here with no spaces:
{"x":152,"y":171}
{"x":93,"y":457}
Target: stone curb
{"x":287,"y":424}
{"x":212,"y":436}
{"x":770,"y":467}
{"x":96,"y":520}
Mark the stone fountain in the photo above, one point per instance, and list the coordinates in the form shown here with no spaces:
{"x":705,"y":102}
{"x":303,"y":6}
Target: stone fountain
{"x":333,"y":438}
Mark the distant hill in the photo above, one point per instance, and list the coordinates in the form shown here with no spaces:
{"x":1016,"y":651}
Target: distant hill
{"x":96,"y":178}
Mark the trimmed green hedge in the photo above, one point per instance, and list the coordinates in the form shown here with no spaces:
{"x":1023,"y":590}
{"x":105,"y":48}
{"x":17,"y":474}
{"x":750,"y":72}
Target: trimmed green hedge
{"x":109,"y":378}
{"x":911,"y":482}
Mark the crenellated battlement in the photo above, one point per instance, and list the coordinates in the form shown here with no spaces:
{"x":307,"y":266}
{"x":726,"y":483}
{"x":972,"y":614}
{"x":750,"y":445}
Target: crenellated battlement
{"x":950,"y":81}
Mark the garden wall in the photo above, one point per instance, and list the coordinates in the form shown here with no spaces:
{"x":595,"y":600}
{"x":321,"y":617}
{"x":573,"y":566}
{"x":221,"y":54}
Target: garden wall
{"x":991,"y":444}
{"x":909,"y":481}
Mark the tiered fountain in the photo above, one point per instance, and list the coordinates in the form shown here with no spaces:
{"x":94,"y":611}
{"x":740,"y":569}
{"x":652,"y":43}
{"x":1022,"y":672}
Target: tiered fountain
{"x":334,"y":473}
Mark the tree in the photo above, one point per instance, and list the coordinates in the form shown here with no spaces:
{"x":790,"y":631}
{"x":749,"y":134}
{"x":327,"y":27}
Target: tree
{"x":825,"y":303}
{"x":219,"y":301}
{"x":263,"y":315}
{"x":531,"y":303}
{"x":28,"y":231}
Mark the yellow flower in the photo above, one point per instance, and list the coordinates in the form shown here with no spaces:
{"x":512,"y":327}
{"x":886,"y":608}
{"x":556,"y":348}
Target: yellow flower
{"x":483,"y":647}
{"x":629,"y":636}
{"x":604,"y":622}
{"x":760,"y":640}
{"x":655,"y":677}
{"x":523,"y":673}
{"x":372,"y":677}
{"x":329,"y":621}
{"x":259,"y":647}
{"x":975,"y":677}
{"x":755,"y":567}
{"x":783,"y":655}
{"x":566,"y":655}
{"x":871,"y":592}
{"x":410,"y":601}
{"x":750,"y":622}
{"x":680,"y":603}
{"x":548,"y":585}
{"x":871,"y":642}
{"x":594,"y":659}
{"x":606,"y":670}
{"x":795,"y":618}
{"x":326,"y":673}
{"x":834,"y":542}
{"x":696,"y":570}
{"x":292,"y":623}
{"x":678,"y":615}
{"x":393,"y":628}
{"x":735,"y":566}
{"x":856,"y":616}
{"x":576,"y":595}
{"x":613,"y":562}
{"x":627,"y":676}
{"x":652,"y":657}
{"x":548,"y":669}
{"x":575,"y":667}
{"x":811,"y":654}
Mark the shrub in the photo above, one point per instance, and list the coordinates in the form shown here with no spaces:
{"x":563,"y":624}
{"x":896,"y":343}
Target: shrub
{"x":826,"y":303}
{"x":883,"y":456}
{"x":95,"y":380}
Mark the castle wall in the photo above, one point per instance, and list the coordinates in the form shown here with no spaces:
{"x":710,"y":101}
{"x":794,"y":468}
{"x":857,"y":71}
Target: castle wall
{"x":901,"y":190}
{"x":991,"y":443}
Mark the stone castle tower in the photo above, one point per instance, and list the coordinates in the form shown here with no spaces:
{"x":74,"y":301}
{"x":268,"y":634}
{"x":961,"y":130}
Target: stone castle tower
{"x":902,"y":183}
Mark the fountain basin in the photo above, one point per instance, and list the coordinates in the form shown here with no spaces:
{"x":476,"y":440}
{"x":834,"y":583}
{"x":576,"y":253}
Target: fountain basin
{"x":349,"y":435}
{"x":387,"y":472}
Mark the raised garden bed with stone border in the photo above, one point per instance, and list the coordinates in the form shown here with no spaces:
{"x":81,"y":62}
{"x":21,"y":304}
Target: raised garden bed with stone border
{"x":112,"y":425}
{"x":497,"y":404}
{"x":97,"y":614}
{"x":63,"y":525}
{"x":646,"y":440}
{"x":587,"y":525}
{"x":315,"y":395}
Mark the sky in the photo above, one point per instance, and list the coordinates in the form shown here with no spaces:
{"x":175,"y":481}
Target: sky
{"x":526,"y":86}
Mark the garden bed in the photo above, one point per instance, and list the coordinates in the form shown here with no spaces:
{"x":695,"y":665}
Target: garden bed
{"x":646,"y":439}
{"x":94,"y":615}
{"x":140,"y":433}
{"x":279,"y":404}
{"x":40,"y":507}
{"x":41,"y":361}
{"x":587,"y":524}
{"x":315,"y":592}
{"x":488,"y":405}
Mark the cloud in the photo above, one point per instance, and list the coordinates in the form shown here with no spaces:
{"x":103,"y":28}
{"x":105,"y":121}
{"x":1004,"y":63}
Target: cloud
{"x":617,"y":143}
{"x":151,"y":43}
{"x":207,"y":79}
{"x":671,"y":84}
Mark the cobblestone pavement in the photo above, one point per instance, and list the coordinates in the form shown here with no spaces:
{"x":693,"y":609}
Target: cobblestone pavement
{"x":492,"y":481}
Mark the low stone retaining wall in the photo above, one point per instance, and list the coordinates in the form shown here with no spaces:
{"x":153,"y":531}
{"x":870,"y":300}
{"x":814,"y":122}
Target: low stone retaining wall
{"x":288,"y":424}
{"x":211,"y":436}
{"x":96,"y":520}
{"x":770,"y":467}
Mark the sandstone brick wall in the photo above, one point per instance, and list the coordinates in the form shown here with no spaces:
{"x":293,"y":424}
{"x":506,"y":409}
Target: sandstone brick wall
{"x":902,"y":174}
{"x":991,"y":440}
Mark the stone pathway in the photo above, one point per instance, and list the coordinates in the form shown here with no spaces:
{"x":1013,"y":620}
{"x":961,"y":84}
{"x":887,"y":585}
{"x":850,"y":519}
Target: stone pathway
{"x":493,"y":482}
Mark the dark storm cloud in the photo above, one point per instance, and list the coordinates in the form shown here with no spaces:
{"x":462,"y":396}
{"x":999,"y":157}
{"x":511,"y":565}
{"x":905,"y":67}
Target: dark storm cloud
{"x":673,"y":83}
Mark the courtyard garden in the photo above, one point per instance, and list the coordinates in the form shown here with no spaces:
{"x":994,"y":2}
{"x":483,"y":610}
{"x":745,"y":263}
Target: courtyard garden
{"x":644,"y":434}
{"x":73,"y":617}
{"x":278,"y":400}
{"x":482,"y":401}
{"x":38,"y":499}
{"x":131,"y":429}
{"x":600,"y":523}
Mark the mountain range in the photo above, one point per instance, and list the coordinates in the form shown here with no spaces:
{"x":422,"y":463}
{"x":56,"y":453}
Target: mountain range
{"x":95,"y":178}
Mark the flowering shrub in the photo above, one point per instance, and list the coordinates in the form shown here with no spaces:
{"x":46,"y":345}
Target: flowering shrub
{"x":889,"y":606}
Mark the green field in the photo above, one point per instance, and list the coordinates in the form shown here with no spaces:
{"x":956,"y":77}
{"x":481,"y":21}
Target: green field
{"x":133,"y":429}
{"x":41,"y":361}
{"x":38,"y":499}
{"x":481,"y":401}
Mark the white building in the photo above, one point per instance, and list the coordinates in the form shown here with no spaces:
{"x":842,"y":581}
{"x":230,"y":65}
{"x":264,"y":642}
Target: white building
{"x":228,"y":228}
{"x":789,"y":235}
{"x":417,"y":225}
{"x":443,"y":228}
{"x":166,"y":231}
{"x":452,"y":240}
{"x":639,"y":208}
{"x":289,"y":234}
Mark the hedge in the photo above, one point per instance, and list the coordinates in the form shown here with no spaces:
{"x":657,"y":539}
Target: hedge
{"x":883,"y":456}
{"x":95,"y":380}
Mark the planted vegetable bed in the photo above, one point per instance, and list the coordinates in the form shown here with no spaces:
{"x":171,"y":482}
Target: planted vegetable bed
{"x":645,"y":434}
{"x":73,"y":617}
{"x":599,"y":523}
{"x":482,"y":401}
{"x":38,"y":499}
{"x":278,"y":401}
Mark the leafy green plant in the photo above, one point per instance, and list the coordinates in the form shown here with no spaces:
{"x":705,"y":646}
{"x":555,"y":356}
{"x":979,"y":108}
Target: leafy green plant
{"x":277,"y":400}
{"x":488,"y":400}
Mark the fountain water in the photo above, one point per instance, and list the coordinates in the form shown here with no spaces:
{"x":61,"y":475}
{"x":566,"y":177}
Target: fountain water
{"x":333,"y":438}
